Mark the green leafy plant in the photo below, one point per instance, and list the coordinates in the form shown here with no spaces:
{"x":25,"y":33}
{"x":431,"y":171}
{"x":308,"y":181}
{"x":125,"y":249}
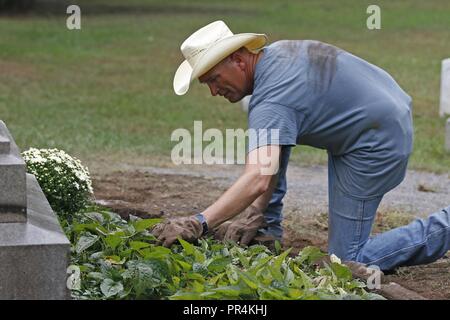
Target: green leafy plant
{"x":122,"y":260}
{"x":64,"y":180}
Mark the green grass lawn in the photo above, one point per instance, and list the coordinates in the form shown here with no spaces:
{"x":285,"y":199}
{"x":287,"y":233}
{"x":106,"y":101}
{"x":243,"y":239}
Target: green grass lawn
{"x":105,"y":92}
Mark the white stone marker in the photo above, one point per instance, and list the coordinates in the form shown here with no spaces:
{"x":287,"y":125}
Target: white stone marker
{"x":245,"y":102}
{"x":445,"y":88}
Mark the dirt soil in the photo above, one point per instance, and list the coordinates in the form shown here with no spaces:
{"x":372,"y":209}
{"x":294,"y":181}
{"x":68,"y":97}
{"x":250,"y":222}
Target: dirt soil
{"x":151,"y":194}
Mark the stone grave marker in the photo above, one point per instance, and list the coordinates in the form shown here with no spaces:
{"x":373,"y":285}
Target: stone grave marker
{"x":34,"y":251}
{"x":444,"y":108}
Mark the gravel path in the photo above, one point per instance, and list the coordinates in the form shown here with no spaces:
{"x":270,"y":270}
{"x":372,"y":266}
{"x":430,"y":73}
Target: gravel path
{"x":420,"y":194}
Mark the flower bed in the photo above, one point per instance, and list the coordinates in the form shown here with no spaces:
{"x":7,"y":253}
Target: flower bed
{"x":121,"y":259}
{"x":116,"y":259}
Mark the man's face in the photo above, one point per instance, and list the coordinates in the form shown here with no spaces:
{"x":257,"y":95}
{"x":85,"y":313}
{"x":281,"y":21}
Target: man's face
{"x":226,"y":79}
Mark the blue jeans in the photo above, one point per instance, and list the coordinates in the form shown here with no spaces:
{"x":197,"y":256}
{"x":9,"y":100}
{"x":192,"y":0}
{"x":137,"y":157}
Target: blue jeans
{"x":350,"y":222}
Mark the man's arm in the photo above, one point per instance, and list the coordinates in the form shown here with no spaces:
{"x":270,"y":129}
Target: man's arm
{"x":255,"y":186}
{"x":263,"y":200}
{"x":255,"y":183}
{"x":252,"y":219}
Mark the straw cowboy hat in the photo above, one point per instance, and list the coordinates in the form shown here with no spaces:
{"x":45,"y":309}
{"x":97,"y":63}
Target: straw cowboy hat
{"x":207,"y":47}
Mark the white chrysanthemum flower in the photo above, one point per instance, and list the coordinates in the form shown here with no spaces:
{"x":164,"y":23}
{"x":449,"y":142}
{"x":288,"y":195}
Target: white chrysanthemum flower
{"x":64,"y":180}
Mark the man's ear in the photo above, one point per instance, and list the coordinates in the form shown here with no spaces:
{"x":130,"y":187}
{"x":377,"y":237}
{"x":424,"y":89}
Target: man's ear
{"x":238,"y":59}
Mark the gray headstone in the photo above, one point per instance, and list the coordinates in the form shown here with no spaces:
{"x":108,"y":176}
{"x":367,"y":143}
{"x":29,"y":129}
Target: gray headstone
{"x":13,"y":197}
{"x":34,"y":255}
{"x":444,"y":108}
{"x":34,"y":251}
{"x":4,"y":145}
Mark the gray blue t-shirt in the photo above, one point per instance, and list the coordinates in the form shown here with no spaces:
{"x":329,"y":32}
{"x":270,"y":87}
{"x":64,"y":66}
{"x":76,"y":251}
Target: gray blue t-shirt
{"x":319,"y":95}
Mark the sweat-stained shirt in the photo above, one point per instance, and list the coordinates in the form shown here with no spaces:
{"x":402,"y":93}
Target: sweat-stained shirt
{"x":319,"y":95}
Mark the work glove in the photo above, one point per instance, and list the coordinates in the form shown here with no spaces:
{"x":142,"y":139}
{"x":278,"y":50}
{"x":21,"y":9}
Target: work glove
{"x":186,"y":228}
{"x":243,"y":229}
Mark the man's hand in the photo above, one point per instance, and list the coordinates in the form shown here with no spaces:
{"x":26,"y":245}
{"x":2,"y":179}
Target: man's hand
{"x":244,"y":228}
{"x":187,"y":228}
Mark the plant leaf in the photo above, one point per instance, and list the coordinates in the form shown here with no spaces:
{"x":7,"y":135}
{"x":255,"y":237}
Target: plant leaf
{"x":182,"y":295}
{"x":143,"y":224}
{"x":342,"y":272}
{"x":96,"y":216}
{"x":310,"y":255}
{"x":115,"y":260}
{"x":280,"y":259}
{"x":277,"y":247}
{"x":248,"y":279}
{"x":231,"y":291}
{"x":188,"y":248}
{"x":137,"y":245}
{"x":218,"y":264}
{"x":110,"y":287}
{"x":113,"y":241}
{"x":186,"y":266}
{"x":85,"y":242}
